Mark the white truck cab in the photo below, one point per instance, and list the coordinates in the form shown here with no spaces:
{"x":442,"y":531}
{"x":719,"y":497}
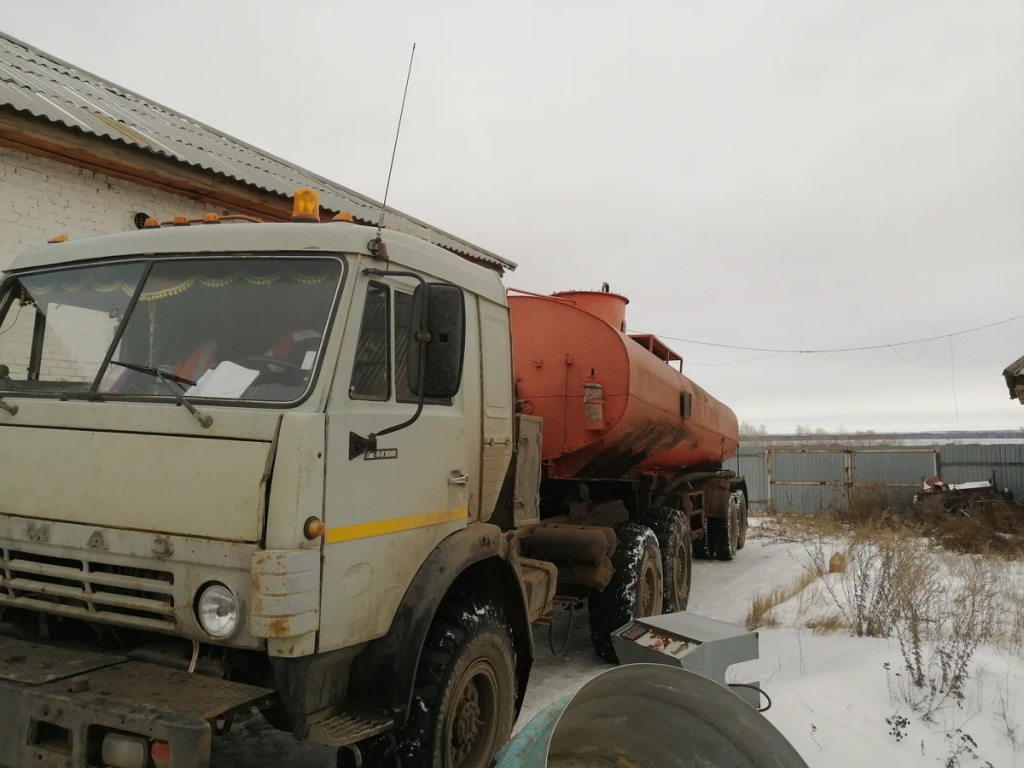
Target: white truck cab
{"x":248,"y":464}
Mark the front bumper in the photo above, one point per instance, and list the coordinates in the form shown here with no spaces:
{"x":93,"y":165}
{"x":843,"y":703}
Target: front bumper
{"x":57,"y":704}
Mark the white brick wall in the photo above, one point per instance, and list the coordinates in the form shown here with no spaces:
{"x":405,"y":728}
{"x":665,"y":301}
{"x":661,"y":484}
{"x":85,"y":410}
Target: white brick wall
{"x":41,"y":198}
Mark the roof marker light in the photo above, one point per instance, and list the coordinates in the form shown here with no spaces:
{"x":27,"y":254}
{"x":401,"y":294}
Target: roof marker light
{"x":306,"y":206}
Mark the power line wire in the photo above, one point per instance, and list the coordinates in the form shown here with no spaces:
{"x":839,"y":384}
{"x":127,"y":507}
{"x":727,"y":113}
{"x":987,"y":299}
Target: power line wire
{"x":912,"y":359}
{"x":952,"y":378}
{"x":839,"y":349}
{"x":738,"y":362}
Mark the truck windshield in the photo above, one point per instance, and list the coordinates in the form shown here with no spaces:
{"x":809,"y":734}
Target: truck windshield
{"x":239,"y":328}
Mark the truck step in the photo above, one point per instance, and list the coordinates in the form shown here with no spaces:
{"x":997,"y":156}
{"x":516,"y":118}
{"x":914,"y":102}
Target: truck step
{"x":350,"y":725}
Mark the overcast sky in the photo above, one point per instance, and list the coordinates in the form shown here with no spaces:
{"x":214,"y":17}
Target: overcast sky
{"x":765,"y":173}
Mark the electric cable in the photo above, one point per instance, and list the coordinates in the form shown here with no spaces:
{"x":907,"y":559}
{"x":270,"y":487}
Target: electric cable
{"x":839,"y":349}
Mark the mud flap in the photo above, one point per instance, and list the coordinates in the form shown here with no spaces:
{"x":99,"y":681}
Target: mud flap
{"x":58,"y":704}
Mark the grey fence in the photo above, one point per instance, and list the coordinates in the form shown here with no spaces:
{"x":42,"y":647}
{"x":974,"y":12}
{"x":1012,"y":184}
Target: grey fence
{"x":809,"y":480}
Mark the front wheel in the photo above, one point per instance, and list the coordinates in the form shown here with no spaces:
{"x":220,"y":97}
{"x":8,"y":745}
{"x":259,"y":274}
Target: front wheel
{"x":463,"y":706}
{"x":635,"y":590}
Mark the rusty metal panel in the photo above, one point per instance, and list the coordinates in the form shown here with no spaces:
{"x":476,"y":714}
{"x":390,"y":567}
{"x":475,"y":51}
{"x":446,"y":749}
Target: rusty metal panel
{"x":35,"y":664}
{"x":286,"y":598}
{"x":43,"y":86}
{"x":153,"y":687}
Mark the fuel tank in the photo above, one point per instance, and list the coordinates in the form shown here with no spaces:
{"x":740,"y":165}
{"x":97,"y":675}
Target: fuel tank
{"x":613,"y":405}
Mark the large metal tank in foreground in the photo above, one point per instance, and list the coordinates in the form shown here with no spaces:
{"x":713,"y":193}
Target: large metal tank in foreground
{"x":612,"y":404}
{"x":650,"y":716}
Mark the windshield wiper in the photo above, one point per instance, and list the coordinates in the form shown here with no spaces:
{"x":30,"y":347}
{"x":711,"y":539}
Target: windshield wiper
{"x":204,"y":420}
{"x":166,"y":378}
{"x":152,"y":370}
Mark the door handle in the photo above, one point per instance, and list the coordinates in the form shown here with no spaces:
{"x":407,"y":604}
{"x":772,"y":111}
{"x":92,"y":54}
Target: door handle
{"x":458,"y":480}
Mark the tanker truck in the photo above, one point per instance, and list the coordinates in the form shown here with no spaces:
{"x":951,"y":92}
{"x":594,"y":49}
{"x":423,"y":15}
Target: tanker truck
{"x":333,"y":473}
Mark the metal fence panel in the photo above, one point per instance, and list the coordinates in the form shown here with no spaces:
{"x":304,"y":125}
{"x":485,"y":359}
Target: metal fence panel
{"x":810,"y":465}
{"x":893,"y":467}
{"x":810,"y":480}
{"x":805,"y":480}
{"x":965,"y":463}
{"x":788,"y":499}
{"x":749,"y":463}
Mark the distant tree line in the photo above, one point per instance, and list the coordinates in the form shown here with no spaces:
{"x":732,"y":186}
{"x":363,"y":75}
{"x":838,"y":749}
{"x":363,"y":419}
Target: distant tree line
{"x":759,"y":437}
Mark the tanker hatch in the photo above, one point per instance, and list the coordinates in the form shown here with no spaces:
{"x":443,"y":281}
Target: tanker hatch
{"x":603,"y":304}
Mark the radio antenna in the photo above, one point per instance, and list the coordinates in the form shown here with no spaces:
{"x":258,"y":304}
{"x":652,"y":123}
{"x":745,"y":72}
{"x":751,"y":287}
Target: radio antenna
{"x":377,"y":248}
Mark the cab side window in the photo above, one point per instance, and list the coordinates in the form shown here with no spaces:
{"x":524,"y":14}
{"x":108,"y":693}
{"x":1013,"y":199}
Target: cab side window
{"x":371,"y":371}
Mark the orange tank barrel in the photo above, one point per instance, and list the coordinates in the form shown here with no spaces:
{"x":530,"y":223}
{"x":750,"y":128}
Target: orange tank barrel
{"x":612,"y":405}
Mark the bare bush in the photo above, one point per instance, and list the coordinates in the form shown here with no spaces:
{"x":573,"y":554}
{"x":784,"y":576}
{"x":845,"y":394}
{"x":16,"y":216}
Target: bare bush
{"x":939,"y":629}
{"x":883,"y":579}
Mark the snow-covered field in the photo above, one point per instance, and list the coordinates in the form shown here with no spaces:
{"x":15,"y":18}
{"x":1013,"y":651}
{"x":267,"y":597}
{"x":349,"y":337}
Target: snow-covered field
{"x":833,"y":696}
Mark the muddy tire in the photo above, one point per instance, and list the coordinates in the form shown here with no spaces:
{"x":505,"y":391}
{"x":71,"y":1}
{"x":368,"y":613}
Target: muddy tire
{"x":672,"y":529}
{"x":725,"y":532}
{"x":636,"y":588}
{"x":702,"y":548}
{"x":464,"y":702}
{"x":741,"y":500}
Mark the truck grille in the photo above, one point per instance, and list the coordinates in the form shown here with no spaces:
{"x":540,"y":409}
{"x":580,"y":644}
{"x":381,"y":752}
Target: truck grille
{"x":87,"y":589}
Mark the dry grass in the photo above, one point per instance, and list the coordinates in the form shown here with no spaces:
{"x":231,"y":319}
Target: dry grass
{"x":827,"y":625}
{"x":938,"y":587}
{"x":765,"y":600}
{"x":992,"y":529}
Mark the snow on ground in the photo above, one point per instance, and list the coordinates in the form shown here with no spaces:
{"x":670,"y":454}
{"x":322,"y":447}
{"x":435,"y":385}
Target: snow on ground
{"x":831,"y":693}
{"x":719,"y":591}
{"x":831,"y":700}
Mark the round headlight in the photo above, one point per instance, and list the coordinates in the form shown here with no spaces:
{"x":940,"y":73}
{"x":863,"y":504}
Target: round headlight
{"x":217,"y":611}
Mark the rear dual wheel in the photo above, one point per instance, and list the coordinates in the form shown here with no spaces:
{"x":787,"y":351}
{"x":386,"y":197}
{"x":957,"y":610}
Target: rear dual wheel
{"x":635,"y":590}
{"x":727,"y":535}
{"x":672,"y":529}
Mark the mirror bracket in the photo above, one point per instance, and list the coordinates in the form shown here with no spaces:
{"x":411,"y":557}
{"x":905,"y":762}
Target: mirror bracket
{"x":358,"y":445}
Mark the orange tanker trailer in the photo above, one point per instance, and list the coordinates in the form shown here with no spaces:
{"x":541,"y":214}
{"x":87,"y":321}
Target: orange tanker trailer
{"x":612,"y":404}
{"x":631,"y":447}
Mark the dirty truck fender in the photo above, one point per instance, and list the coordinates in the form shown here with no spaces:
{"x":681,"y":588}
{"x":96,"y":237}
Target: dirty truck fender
{"x":477,"y":559}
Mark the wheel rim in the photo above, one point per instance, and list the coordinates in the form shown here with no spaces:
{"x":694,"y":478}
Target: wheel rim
{"x":743,"y":519}
{"x":679,"y":573}
{"x":471,"y":721}
{"x":649,"y":591}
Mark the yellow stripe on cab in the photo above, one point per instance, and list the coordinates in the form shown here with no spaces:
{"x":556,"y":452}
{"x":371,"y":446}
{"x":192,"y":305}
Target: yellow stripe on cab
{"x":394,"y":525}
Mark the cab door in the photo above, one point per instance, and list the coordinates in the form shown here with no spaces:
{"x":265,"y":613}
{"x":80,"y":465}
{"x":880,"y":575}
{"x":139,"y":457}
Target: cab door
{"x":386,"y":510}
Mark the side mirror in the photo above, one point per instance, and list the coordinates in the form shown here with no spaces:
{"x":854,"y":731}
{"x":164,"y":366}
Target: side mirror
{"x":438,"y":340}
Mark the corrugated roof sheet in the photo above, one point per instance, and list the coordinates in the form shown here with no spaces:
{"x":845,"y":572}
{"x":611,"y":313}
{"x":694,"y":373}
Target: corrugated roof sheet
{"x":46,"y":87}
